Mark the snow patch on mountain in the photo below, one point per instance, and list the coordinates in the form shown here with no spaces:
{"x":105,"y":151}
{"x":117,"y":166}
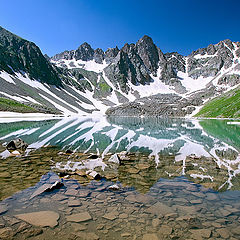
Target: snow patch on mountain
{"x":6,"y":77}
{"x":16,"y":98}
{"x":153,"y":88}
{"x":192,"y":84}
{"x":90,"y":65}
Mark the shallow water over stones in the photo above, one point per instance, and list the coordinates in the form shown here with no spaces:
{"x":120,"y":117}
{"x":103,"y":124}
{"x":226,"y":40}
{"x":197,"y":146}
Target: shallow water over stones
{"x":146,"y":205}
{"x":171,"y":209}
{"x":179,"y":196}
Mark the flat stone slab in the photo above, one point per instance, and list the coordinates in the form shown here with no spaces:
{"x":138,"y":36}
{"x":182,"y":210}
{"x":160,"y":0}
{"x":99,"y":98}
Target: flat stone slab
{"x":3,"y":208}
{"x":150,"y":236}
{"x":223,"y":232}
{"x":72,"y":192}
{"x":111,"y":215}
{"x":87,"y":236}
{"x":159,"y":209}
{"x":200,"y":233}
{"x":123,"y":215}
{"x":83,"y":193}
{"x":47,"y":187}
{"x":74,"y":203}
{"x":140,"y":198}
{"x":78,"y":227}
{"x":59,"y":197}
{"x":211,"y":196}
{"x":79,"y":217}
{"x":165,"y":230}
{"x":42,"y":218}
{"x":41,"y":190}
{"x":187,"y":210}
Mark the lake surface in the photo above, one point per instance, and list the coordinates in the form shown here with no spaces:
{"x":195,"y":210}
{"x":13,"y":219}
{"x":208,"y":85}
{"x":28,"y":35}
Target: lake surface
{"x":180,"y":179}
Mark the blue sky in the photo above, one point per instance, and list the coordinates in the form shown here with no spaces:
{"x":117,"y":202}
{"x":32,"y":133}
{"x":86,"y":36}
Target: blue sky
{"x":174,"y":25}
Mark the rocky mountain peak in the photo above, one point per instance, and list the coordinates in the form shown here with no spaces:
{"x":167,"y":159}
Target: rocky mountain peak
{"x":137,"y":71}
{"x":84,"y":52}
{"x":225,"y":45}
{"x":228,"y":43}
{"x":146,"y":39}
{"x":148,"y":52}
{"x":140,"y":63}
{"x":85,"y":46}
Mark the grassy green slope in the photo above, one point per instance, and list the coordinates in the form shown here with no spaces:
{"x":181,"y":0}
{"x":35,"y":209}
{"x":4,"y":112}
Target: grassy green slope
{"x":225,"y":106}
{"x":13,"y":106}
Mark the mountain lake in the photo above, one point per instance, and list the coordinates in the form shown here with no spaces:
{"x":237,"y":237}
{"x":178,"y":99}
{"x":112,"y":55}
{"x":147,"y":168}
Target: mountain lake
{"x":120,"y":178}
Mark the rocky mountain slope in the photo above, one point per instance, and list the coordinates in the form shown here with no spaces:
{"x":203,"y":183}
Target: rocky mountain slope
{"x":138,"y":79}
{"x":17,"y":54}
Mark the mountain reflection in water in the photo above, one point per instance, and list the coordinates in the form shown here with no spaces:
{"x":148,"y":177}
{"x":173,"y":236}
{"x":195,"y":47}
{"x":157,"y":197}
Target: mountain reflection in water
{"x":206,"y":151}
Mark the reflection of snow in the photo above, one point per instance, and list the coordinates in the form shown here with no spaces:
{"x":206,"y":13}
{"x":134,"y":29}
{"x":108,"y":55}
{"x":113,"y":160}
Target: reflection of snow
{"x":94,"y":133}
{"x":87,"y":164}
{"x":202,"y":176}
{"x":233,"y":123}
{"x":15,"y":134}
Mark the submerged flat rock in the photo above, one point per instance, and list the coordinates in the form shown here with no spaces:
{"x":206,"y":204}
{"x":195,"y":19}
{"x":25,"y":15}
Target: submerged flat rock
{"x":79,"y":217}
{"x":159,"y":209}
{"x":87,"y":236}
{"x":200,"y":233}
{"x":42,"y":218}
{"x":187,"y":210}
{"x":41,"y":190}
{"x":150,"y":236}
{"x":3,"y":208}
{"x":74,"y":203}
{"x":165,"y":230}
{"x":111,"y":215}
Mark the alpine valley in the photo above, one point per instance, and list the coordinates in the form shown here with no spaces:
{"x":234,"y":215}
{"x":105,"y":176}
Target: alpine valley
{"x":136,"y":80}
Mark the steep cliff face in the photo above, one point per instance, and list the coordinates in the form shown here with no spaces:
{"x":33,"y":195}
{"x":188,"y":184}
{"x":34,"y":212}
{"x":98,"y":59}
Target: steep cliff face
{"x":17,"y":54}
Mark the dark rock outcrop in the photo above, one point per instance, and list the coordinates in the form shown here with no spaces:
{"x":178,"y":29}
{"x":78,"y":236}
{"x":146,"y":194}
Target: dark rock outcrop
{"x":84,"y":52}
{"x":17,"y":144}
{"x":149,"y":53}
{"x":110,"y":54}
{"x":19,"y":55}
{"x":98,"y":55}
